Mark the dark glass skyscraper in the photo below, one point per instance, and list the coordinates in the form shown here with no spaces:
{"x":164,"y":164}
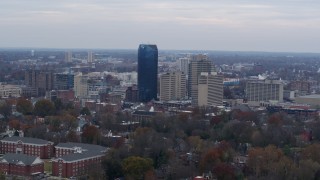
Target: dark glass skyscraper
{"x":147,"y":72}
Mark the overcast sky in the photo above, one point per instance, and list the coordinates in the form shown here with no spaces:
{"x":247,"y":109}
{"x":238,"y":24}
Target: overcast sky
{"x":236,"y":25}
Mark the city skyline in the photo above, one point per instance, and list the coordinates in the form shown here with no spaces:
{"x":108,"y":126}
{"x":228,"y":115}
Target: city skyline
{"x":289,"y":25}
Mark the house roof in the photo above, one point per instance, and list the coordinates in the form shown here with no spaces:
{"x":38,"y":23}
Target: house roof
{"x":144,"y":113}
{"x":20,"y":159}
{"x":26,"y":140}
{"x":242,"y":107}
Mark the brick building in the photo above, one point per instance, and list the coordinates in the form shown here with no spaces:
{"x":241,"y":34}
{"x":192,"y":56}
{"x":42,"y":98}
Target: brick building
{"x":28,"y":146}
{"x":76,"y":159}
{"x":21,"y":164}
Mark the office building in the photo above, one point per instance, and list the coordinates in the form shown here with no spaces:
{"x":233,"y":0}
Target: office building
{"x":147,"y":72}
{"x":90,"y":57}
{"x":264,"y":91}
{"x":68,"y":56}
{"x":198,"y":64}
{"x":63,"y":81}
{"x":81,"y":88}
{"x":172,"y":86}
{"x":8,"y":90}
{"x":215,"y":90}
{"x":183,"y":64}
{"x":132,"y":94}
{"x":41,"y":81}
{"x":210,"y":89}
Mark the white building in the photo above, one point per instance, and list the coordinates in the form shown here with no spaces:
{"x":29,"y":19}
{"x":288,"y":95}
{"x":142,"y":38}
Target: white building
{"x":210,"y":89}
{"x":264,"y":91}
{"x":172,"y":86}
{"x":183,"y":64}
{"x":10,"y":90}
{"x":81,"y":88}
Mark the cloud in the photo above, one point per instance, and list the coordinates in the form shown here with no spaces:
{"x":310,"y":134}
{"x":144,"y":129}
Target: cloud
{"x":183,"y":22}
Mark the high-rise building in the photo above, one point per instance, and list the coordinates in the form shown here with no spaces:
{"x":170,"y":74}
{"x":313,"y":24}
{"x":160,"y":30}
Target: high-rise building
{"x":41,"y":81}
{"x":172,"y":86}
{"x":147,"y":72}
{"x":263,"y":91}
{"x":215,"y":90}
{"x":198,"y":64}
{"x":68,"y":56}
{"x":132,"y":94}
{"x":90,"y":57}
{"x":81,"y":88}
{"x":210,"y":89}
{"x":63,"y":81}
{"x":183,"y":64}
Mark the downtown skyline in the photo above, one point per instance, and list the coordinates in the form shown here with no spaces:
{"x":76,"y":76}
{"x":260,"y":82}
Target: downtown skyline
{"x":289,"y":25}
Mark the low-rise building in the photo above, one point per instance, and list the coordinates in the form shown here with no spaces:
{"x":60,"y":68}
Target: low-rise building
{"x":75,"y":159}
{"x":28,"y":146}
{"x":9,"y":90}
{"x":21,"y":164}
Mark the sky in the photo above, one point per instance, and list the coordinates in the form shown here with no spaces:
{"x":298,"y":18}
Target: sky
{"x":230,"y":25}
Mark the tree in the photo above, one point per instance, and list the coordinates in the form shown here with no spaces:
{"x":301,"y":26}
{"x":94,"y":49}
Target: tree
{"x":58,"y":104}
{"x":136,"y":167}
{"x":222,"y":153}
{"x":5,"y":109}
{"x":44,"y":108}
{"x":112,"y":168}
{"x":311,"y":152}
{"x":270,"y":162}
{"x":85,"y":111}
{"x":69,"y":122}
{"x":224,"y":171}
{"x":38,"y":131}
{"x":14,"y":123}
{"x":24,"y":106}
{"x":72,"y":136}
{"x":91,"y":135}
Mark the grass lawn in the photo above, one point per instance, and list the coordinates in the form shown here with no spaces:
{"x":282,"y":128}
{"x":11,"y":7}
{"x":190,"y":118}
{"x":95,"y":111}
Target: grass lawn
{"x":48,"y":166}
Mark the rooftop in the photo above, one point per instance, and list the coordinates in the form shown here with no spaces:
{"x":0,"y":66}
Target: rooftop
{"x":20,"y":159}
{"x":311,"y":96}
{"x":26,"y":140}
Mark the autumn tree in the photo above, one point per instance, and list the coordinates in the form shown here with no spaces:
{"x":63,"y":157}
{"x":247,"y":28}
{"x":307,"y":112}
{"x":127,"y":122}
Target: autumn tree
{"x":14,"y":123}
{"x":44,"y":108}
{"x":69,"y":122}
{"x":5,"y":109}
{"x":219,"y":154}
{"x":72,"y":136}
{"x":24,"y":106}
{"x":91,"y":135}
{"x":136,"y":167}
{"x":311,"y":152}
{"x":224,"y":171}
{"x":270,"y":162}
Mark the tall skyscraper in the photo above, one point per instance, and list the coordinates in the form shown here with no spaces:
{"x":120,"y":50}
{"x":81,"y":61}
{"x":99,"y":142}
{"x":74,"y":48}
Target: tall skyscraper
{"x":68,"y":56}
{"x":81,"y":85}
{"x":147,"y":72}
{"x":198,"y":64}
{"x":183,"y":64}
{"x":172,"y":86}
{"x":90,"y":57}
